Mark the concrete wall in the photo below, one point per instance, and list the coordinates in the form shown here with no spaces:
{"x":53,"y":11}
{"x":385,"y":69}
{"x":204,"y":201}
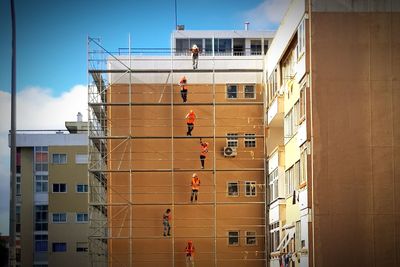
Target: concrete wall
{"x":355,"y":100}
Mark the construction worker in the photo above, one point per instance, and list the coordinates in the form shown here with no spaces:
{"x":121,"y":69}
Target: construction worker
{"x":195,"y":187}
{"x":166,"y":222}
{"x":203,"y":152}
{"x":195,"y":55}
{"x":191,"y":116}
{"x":189,"y":251}
{"x":182,"y":84}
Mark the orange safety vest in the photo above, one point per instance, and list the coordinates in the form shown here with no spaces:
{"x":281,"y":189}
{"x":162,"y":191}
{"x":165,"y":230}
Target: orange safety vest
{"x":195,"y":183}
{"x":167,"y":216}
{"x":182,"y":81}
{"x":190,"y":117}
{"x":195,"y":51}
{"x":204,"y":149}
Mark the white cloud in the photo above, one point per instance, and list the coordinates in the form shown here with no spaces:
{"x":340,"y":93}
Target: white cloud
{"x":37,"y":109}
{"x":267,"y":15}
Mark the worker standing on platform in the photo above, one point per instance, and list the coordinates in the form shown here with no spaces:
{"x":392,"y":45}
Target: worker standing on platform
{"x":182,"y":84}
{"x":191,"y":116}
{"x":166,"y":222}
{"x":195,"y":187}
{"x":195,"y":56}
{"x":203,"y":152}
{"x":189,"y":250}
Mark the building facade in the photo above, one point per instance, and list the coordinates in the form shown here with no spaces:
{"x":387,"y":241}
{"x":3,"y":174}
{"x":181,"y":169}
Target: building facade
{"x":149,"y":159}
{"x":52,"y":198}
{"x":333,"y":134}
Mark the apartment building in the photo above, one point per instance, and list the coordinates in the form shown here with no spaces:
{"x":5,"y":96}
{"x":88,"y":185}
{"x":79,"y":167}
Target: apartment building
{"x":143,"y":160}
{"x":333,"y":135}
{"x":52,"y":197}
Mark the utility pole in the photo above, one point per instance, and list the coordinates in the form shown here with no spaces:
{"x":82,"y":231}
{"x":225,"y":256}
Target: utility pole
{"x":13,"y":165}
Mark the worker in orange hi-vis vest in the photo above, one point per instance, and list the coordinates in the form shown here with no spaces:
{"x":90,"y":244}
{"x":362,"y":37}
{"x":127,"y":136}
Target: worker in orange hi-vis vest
{"x":195,"y":187}
{"x":189,"y":253}
{"x":190,"y":117}
{"x":203,"y":152}
{"x":182,"y":84}
{"x":195,"y":56}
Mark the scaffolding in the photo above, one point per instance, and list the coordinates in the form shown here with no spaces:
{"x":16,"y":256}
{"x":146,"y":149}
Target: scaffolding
{"x":140,"y":164}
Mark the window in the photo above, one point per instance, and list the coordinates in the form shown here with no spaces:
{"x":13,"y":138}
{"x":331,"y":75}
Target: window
{"x":249,"y":91}
{"x":59,"y":188}
{"x":296,"y":117}
{"x":251,"y":239}
{"x":41,"y":159}
{"x":297,"y":236}
{"x":273,"y":185}
{"x":41,"y":214}
{"x":81,"y":158}
{"x":232,"y":140}
{"x":41,"y":184}
{"x":289,"y":180}
{"x":296,"y":175}
{"x":59,"y":158}
{"x":301,"y":39}
{"x":208,"y":47}
{"x":59,"y":247}
{"x":274,"y":236}
{"x":182,"y":46}
{"x":18,"y":185}
{"x":303,"y":166}
{"x":231,"y":91}
{"x":18,"y":219}
{"x":249,"y":140}
{"x":82,"y":246}
{"x":250,"y":187}
{"x":255,"y":47}
{"x":59,"y":217}
{"x":233,"y":238}
{"x":81,"y":188}
{"x":233,"y":189}
{"x":272,"y":86}
{"x":223,"y":46}
{"x":302,"y":108}
{"x":18,"y":160}
{"x":288,"y":125}
{"x":82,"y":217}
{"x":41,"y":243}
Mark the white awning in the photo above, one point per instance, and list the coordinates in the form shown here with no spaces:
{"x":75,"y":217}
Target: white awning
{"x":286,"y":239}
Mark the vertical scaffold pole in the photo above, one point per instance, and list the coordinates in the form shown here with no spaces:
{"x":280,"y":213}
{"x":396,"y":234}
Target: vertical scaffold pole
{"x":172,"y":151}
{"x":130,"y":154}
{"x":214,"y":166}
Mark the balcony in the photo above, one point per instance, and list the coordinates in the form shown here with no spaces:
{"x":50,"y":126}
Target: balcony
{"x":275,"y":113}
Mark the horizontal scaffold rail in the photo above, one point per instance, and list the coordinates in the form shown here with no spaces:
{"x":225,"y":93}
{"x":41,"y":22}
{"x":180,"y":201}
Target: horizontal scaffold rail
{"x":176,"y":203}
{"x":169,"y":137}
{"x":176,"y":170}
{"x":177,"y":104}
{"x":174,"y":71}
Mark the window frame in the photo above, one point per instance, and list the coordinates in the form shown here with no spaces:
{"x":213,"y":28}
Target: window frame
{"x":273,"y":185}
{"x":289,"y":181}
{"x":59,"y":184}
{"x":85,"y":214}
{"x":59,"y":215}
{"x":56,"y":158}
{"x":250,"y":183}
{"x":252,"y":235}
{"x":81,"y":158}
{"x":39,"y":179}
{"x":232,"y":138}
{"x":54,"y":244}
{"x":253,"y":93}
{"x":228,"y":86}
{"x":237,"y":188}
{"x":85,"y":187}
{"x":250,"y":138}
{"x":82,"y":248}
{"x":40,"y":241}
{"x":233,"y":244}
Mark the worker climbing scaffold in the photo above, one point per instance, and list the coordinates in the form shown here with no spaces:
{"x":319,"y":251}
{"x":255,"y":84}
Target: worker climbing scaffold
{"x":195,"y":56}
{"x":203,"y":152}
{"x":184,"y":91}
{"x":195,"y":187}
{"x":190,"y":117}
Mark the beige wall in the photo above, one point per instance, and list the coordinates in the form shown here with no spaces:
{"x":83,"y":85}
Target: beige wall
{"x":356,"y":139}
{"x":138,"y":226}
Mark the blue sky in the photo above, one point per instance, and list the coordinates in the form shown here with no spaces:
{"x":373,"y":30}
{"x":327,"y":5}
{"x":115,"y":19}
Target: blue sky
{"x":52,"y":52}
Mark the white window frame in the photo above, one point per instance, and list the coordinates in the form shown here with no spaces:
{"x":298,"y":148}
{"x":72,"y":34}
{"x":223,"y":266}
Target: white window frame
{"x":289,"y":182}
{"x":227,"y":91}
{"x":274,"y":234}
{"x":40,"y":179}
{"x":273,"y":178}
{"x":235,"y":244}
{"x":303,"y":165}
{"x":85,"y":214}
{"x":252,"y":185}
{"x":253,"y":92}
{"x":237,"y":187}
{"x":232,"y":140}
{"x":59,"y":184}
{"x":288,"y":126}
{"x":250,"y":138}
{"x":250,"y":234}
{"x":81,"y":158}
{"x":59,"y":216}
{"x":301,"y":39}
{"x":57,"y":158}
{"x":84,"y":186}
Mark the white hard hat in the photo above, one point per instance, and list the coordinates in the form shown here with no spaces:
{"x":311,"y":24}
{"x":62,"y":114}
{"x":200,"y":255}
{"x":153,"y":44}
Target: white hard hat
{"x":194,"y":175}
{"x":194,"y":46}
